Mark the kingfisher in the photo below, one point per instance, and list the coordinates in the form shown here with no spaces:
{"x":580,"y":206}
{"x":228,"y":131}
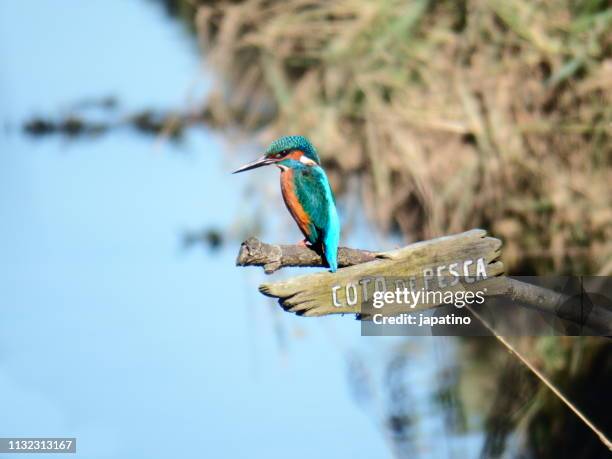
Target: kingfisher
{"x":306,"y":192}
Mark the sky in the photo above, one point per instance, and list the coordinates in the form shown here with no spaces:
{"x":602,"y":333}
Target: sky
{"x":109,"y":331}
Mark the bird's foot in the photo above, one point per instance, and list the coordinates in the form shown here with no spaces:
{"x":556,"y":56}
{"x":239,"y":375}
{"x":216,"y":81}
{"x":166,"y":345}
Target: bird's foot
{"x":304,"y":243}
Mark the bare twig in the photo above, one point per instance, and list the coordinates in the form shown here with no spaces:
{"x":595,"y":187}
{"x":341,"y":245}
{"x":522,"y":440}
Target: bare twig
{"x":602,"y":436}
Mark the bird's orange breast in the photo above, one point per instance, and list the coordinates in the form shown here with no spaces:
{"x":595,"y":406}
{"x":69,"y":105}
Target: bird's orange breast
{"x":293,"y":204}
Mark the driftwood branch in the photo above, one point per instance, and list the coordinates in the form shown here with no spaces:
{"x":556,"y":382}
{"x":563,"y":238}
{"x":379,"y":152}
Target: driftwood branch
{"x":272,"y":257}
{"x":325,"y":293}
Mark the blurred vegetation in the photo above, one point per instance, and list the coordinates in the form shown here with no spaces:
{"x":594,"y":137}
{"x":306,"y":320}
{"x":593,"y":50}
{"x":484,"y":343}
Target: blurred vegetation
{"x":454,"y":115}
{"x":95,"y":117}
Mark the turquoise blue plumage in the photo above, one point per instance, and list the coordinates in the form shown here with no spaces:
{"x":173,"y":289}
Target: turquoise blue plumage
{"x":311,"y":191}
{"x":306,"y":192}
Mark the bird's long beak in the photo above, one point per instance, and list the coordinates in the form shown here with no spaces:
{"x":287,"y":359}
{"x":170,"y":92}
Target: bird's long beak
{"x":263,"y":161}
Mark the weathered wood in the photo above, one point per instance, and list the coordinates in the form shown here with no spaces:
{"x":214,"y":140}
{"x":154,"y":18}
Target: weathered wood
{"x":469,"y":253}
{"x":253,"y":252}
{"x":342,"y":292}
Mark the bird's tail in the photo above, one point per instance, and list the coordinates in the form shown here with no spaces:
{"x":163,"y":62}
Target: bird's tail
{"x":331,"y":239}
{"x":331,"y":255}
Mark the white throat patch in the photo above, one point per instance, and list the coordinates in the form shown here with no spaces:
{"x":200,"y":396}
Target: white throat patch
{"x":306,"y":160}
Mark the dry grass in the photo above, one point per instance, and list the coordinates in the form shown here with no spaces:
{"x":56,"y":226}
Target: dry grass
{"x":455,"y":115}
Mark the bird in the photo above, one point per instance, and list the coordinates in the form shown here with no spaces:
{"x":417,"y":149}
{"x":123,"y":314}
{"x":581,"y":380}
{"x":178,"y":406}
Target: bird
{"x":306,"y":192}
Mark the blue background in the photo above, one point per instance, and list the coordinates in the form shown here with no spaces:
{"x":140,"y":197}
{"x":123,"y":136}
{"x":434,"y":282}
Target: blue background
{"x":111,"y":333}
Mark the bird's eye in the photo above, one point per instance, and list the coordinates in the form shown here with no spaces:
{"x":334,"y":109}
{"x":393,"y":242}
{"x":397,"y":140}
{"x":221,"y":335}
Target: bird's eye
{"x":281,"y":154}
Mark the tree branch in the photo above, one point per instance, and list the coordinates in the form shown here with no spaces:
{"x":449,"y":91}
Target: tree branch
{"x":549,"y":301}
{"x":310,"y":295}
{"x":272,"y":257}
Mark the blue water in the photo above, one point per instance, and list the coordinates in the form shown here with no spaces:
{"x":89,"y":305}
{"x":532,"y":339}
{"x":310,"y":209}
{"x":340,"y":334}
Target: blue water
{"x":109,"y":331}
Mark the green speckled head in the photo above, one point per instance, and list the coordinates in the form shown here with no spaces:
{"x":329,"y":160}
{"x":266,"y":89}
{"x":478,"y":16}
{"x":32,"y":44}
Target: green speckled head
{"x":281,"y":153}
{"x":293,"y":142}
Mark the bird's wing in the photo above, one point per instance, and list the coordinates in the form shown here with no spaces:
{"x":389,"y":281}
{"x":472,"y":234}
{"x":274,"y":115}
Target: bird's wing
{"x":314,"y":194}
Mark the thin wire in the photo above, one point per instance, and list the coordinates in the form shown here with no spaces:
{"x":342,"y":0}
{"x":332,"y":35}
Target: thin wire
{"x":545,"y":380}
